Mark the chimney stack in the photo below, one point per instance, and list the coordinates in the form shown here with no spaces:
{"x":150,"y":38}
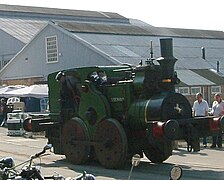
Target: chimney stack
{"x":203,"y":52}
{"x":217,"y":69}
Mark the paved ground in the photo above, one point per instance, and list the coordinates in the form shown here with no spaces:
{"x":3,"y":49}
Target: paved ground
{"x":206,"y":164}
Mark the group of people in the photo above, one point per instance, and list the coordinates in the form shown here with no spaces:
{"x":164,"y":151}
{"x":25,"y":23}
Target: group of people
{"x":200,"y":108}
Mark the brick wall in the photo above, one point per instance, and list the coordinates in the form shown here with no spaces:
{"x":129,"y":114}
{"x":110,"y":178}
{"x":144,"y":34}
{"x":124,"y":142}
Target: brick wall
{"x":25,"y":81}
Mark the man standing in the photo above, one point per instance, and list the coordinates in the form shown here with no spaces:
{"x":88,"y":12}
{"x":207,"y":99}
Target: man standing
{"x":200,"y":109}
{"x":68,"y":95}
{"x":217,"y":110}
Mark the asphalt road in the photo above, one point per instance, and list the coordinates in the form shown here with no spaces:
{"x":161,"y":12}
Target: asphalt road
{"x":206,"y":164}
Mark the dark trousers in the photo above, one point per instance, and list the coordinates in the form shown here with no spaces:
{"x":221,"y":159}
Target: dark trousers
{"x":204,"y":140}
{"x":217,"y":140}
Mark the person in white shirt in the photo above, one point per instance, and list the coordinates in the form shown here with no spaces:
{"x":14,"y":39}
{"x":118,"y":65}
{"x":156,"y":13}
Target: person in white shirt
{"x":217,"y":110}
{"x":200,"y":109}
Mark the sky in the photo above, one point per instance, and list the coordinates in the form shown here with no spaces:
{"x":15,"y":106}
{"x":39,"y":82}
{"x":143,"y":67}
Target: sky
{"x":187,"y":14}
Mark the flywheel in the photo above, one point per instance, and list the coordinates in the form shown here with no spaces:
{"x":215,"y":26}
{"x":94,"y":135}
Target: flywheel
{"x":111,"y":144}
{"x":75,"y":141}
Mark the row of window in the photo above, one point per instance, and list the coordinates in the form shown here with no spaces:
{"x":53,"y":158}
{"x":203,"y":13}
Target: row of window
{"x":194,"y":90}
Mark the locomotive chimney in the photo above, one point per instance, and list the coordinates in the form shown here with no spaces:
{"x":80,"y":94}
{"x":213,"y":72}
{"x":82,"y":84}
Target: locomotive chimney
{"x":166,"y":46}
{"x":167,"y":60}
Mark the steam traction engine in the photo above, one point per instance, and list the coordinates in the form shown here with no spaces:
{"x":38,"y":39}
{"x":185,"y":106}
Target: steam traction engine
{"x":136,"y":110}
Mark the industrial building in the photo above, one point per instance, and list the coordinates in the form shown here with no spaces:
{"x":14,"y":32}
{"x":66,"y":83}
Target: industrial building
{"x":37,"y":41}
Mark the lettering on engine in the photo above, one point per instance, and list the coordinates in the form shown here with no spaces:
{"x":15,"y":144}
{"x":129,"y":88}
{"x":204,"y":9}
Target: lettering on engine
{"x":117,"y":99}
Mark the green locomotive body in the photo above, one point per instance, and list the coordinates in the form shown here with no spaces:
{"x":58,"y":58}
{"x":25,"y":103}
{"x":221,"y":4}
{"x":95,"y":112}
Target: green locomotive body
{"x":134,"y":110}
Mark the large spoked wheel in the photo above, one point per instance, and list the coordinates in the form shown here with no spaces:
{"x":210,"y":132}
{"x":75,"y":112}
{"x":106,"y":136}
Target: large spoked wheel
{"x":156,"y":154}
{"x":75,"y":138}
{"x":111,"y":144}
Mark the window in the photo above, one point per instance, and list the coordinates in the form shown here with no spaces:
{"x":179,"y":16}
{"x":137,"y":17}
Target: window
{"x":195,"y":90}
{"x":44,"y":104}
{"x":215,"y":89}
{"x":184,"y":90}
{"x":51,"y":49}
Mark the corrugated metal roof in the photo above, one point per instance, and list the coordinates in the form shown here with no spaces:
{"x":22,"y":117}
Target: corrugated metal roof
{"x":198,"y":33}
{"x":102,"y":28}
{"x":186,"y":50}
{"x":134,"y":29}
{"x":187,"y":33}
{"x":23,"y":22}
{"x":28,"y":11}
{"x":83,"y":21}
{"x":21,"y":29}
{"x":193,"y":79}
{"x":210,"y":75}
{"x":20,"y":10}
{"x":221,"y":72}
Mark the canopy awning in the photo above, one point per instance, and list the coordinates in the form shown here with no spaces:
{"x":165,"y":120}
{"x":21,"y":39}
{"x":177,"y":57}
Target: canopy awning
{"x":36,"y":91}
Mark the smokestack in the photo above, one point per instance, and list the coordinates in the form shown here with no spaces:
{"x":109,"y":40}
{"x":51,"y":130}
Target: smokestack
{"x":167,"y":60}
{"x":166,"y":47}
{"x":203,"y":52}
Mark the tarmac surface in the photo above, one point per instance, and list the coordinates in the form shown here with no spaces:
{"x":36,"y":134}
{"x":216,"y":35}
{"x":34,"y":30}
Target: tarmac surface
{"x":206,"y":164}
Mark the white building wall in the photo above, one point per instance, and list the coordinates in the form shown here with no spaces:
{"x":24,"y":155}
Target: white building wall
{"x":9,"y":47}
{"x":9,"y":44}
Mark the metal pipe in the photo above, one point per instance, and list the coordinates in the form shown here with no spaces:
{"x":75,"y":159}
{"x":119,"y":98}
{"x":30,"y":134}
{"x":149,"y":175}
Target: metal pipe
{"x":217,"y":66}
{"x":203,"y":52}
{"x":151,"y":50}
